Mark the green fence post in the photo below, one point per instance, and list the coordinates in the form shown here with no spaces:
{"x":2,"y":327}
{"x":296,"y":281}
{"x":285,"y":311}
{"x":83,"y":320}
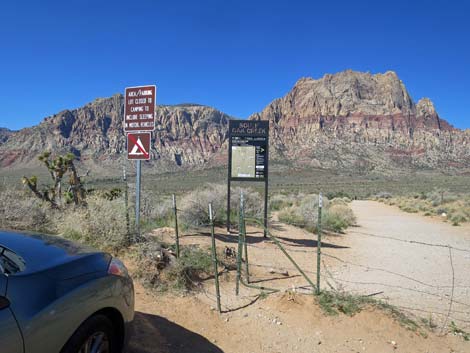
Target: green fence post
{"x":177,"y":238}
{"x":214,"y":259}
{"x":243,"y":224}
{"x":320,"y":205}
{"x":240,"y":251}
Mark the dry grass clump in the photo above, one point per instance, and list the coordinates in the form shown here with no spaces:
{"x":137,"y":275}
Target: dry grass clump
{"x":278,"y":202}
{"x":101,"y":224}
{"x":19,"y":210}
{"x":160,"y":270}
{"x":339,"y":217}
{"x":194,"y":209}
{"x":336,"y":216}
{"x":449,"y":206}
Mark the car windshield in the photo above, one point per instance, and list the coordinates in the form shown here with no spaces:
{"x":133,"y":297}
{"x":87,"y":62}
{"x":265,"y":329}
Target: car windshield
{"x":10,"y":262}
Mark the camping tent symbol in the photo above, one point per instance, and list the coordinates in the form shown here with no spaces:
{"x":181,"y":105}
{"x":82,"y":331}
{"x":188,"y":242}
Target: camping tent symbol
{"x":138,"y":149}
{"x":138,"y":145}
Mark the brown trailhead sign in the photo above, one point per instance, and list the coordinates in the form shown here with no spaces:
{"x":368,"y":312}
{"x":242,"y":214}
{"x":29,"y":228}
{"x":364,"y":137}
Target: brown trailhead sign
{"x":139,"y":108}
{"x":138,"y":145}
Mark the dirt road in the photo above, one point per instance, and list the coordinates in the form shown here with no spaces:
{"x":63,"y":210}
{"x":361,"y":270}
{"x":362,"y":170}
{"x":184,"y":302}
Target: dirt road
{"x":410,"y":275}
{"x":386,"y":253}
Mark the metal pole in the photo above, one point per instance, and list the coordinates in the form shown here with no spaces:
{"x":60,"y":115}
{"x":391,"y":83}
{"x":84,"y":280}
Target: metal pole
{"x":240,"y":252}
{"x":265,"y":207}
{"x":228,"y":203}
{"x":229,"y":176}
{"x":276,"y":241}
{"x":137,"y":200}
{"x":214,"y":259}
{"x":177,"y":240}
{"x":243,"y":231}
{"x":126,"y":204}
{"x":320,"y":205}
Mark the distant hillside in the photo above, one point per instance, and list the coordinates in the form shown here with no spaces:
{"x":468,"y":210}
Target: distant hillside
{"x":350,"y":120}
{"x":4,"y":134}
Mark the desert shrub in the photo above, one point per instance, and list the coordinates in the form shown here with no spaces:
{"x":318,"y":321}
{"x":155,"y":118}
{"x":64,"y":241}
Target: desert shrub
{"x":19,"y":210}
{"x":338,"y":194}
{"x":439,"y":197}
{"x":292,"y":215}
{"x":334,"y":302}
{"x":338,"y":217}
{"x":150,"y":262}
{"x":101,"y":224}
{"x":340,"y":201}
{"x":309,"y":209}
{"x":408,"y":208}
{"x":383,"y":195}
{"x":451,"y":206}
{"x":194,"y":206}
{"x":161,"y":271}
{"x":156,"y":211}
{"x":193,"y":265}
{"x":278,"y":202}
{"x":458,"y":217}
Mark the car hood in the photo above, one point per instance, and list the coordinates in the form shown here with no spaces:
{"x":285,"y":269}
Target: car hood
{"x":41,"y":252}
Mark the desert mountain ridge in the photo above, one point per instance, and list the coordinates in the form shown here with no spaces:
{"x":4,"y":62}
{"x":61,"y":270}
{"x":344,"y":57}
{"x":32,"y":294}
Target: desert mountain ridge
{"x":349,"y":120}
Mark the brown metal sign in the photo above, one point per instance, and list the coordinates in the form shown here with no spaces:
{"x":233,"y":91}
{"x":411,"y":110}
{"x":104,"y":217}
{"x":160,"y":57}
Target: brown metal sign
{"x":139,"y":108}
{"x":138,"y":145}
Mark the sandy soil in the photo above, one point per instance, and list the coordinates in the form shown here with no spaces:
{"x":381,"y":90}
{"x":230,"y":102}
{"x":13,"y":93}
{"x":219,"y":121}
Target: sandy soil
{"x":286,"y":322}
{"x":413,"y":276}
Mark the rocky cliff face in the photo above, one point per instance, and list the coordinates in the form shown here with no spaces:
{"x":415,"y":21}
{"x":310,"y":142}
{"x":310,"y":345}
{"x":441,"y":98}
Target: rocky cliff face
{"x":362,"y":121}
{"x":186,"y":136}
{"x":349,"y":120}
{"x":4,"y":135}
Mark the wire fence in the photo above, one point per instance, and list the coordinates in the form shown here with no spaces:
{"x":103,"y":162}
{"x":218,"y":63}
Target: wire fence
{"x":446,"y":302}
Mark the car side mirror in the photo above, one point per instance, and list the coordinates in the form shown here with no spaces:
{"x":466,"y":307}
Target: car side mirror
{"x":4,"y":303}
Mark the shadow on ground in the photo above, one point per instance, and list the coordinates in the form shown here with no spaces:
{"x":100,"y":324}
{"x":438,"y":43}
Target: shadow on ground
{"x":154,"y":334}
{"x":311,"y":243}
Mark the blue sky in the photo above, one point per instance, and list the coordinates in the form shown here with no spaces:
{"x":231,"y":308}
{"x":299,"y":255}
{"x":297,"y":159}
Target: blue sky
{"x":234,"y":55}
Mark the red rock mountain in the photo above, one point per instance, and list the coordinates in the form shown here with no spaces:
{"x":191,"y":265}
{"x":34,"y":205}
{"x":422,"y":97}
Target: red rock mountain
{"x":349,"y":120}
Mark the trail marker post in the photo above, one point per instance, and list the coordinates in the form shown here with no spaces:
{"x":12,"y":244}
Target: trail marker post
{"x":248,"y":156}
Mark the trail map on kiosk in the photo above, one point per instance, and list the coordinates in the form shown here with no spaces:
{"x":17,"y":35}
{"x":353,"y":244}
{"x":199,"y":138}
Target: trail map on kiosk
{"x":248,"y":149}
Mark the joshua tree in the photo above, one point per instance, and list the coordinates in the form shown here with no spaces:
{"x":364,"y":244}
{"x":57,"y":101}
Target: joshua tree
{"x":58,"y":168}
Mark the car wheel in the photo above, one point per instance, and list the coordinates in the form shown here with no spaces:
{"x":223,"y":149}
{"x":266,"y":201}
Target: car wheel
{"x":95,"y":335}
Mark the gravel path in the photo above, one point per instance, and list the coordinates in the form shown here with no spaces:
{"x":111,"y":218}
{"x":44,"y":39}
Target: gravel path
{"x":385,"y":254}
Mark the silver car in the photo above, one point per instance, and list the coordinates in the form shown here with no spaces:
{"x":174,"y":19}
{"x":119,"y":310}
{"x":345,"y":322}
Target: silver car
{"x":60,"y":297}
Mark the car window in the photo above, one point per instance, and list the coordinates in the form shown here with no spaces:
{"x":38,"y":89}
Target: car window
{"x":10,"y":262}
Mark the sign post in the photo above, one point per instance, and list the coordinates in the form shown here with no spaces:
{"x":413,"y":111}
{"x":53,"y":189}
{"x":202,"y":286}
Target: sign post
{"x":248,"y":158}
{"x":139,"y":122}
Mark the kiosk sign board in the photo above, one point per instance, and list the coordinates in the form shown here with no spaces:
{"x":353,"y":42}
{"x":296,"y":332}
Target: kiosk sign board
{"x":248,"y":150}
{"x":248,"y":157}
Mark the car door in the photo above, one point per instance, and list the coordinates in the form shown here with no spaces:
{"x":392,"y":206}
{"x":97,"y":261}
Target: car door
{"x":10,"y":336}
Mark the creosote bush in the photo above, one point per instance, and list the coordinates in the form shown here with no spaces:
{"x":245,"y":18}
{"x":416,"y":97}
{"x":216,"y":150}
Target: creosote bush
{"x":102,"y":223}
{"x":278,"y":202}
{"x":160,"y":270}
{"x":20,"y":210}
{"x":449,"y":206}
{"x":194,"y":205}
{"x":336,"y":214}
